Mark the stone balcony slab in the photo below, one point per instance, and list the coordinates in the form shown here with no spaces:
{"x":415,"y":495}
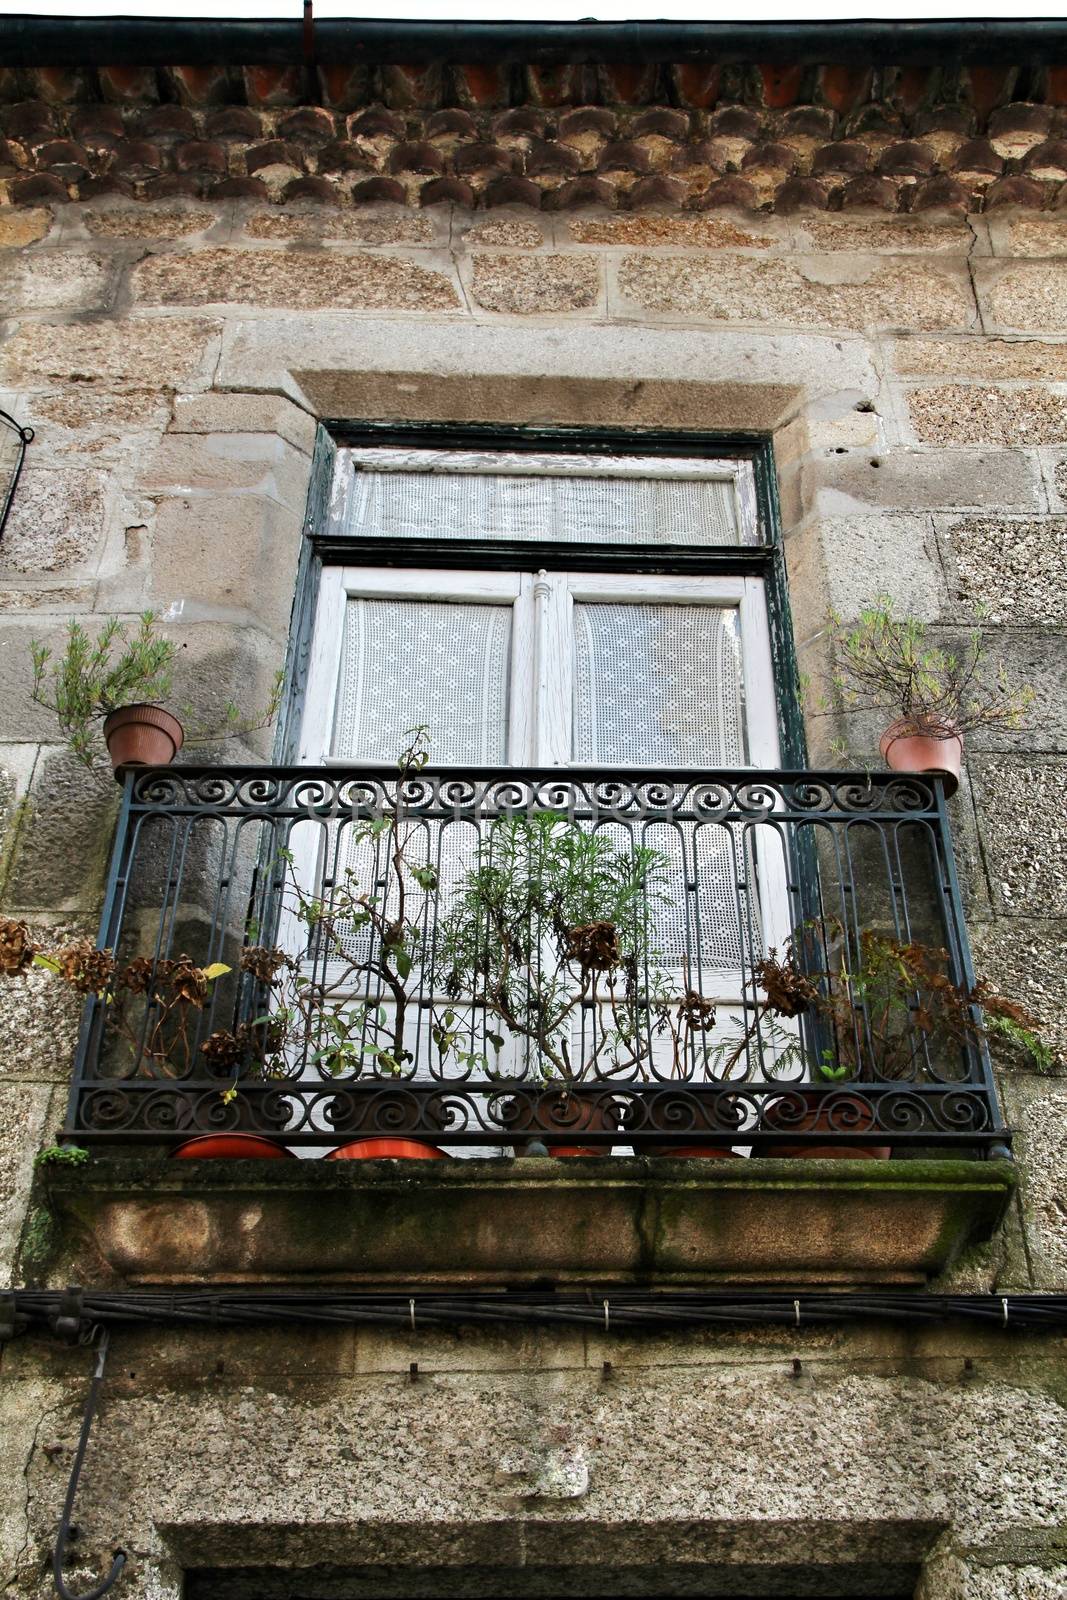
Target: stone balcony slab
{"x":480,"y":1223}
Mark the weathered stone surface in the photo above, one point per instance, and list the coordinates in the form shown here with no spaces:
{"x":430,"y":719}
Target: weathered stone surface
{"x":514,"y":232}
{"x":53,"y":280}
{"x":226,"y":658}
{"x":536,"y":285}
{"x":1028,"y":964}
{"x":353,"y":281}
{"x":1022,"y":815}
{"x":843,"y":481}
{"x":958,"y":413}
{"x":100,"y":414}
{"x":494,"y":1471}
{"x":709,"y":232}
{"x":1031,"y":295}
{"x":237,"y":553}
{"x":745,"y":378}
{"x":1015,"y":568}
{"x":243,"y":463}
{"x":883,"y":235}
{"x":324,"y":222}
{"x":865,"y":556}
{"x":39,"y":1015}
{"x":1040,"y":1113}
{"x":978,"y":357}
{"x":64,"y":847}
{"x":479,"y":1222}
{"x":1036,"y":657}
{"x":20,"y":226}
{"x":149,"y":222}
{"x":824,"y":292}
{"x":56,"y":520}
{"x":1029,"y":236}
{"x":129,"y":353}
{"x":244,"y":413}
{"x":24,"y":1109}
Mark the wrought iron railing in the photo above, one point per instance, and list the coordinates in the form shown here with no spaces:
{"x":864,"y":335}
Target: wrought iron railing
{"x":312,"y":954}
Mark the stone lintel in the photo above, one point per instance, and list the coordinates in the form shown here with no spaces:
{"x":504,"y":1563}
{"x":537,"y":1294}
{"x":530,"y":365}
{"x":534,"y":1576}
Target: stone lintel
{"x":478,"y":1223}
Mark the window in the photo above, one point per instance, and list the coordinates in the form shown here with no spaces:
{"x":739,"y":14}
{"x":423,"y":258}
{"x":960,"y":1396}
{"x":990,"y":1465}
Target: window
{"x":530,"y":662}
{"x":541,"y":665}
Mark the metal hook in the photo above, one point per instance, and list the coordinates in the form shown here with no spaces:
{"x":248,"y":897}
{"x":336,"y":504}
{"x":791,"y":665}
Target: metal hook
{"x":63,"y":1535}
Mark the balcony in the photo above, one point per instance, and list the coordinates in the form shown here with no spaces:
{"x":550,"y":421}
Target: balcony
{"x":664,"y":1045}
{"x":733,"y":1019}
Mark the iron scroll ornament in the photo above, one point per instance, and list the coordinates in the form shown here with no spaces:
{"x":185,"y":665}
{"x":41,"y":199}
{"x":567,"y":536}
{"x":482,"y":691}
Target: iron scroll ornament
{"x":24,"y":435}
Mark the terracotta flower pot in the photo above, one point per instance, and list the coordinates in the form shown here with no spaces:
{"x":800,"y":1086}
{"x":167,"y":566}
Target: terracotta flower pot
{"x":569,"y":1111}
{"x":800,"y":1112}
{"x":706,"y":1152}
{"x":231,"y":1147}
{"x":141,"y":736}
{"x":913,"y":745}
{"x":386,"y":1150}
{"x":685,"y":1108}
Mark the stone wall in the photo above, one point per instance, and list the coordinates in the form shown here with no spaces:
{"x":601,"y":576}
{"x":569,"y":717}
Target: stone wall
{"x":174,"y":359}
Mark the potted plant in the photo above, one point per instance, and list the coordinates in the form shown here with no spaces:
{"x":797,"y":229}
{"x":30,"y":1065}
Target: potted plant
{"x":554,"y":922}
{"x":936,"y":696}
{"x":118,"y":680}
{"x":346,"y":1003}
{"x":150,"y":1011}
{"x":878,"y":1009}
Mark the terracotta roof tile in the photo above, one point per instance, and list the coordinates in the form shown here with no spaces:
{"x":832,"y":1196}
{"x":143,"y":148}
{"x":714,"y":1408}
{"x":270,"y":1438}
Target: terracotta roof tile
{"x":509,"y":189}
{"x":729,"y":191}
{"x":447,"y":191}
{"x":663,"y":122}
{"x":452,"y":121}
{"x":657,"y":190}
{"x":1016,"y":190}
{"x":310,"y":188}
{"x":37,"y":188}
{"x":69,"y":161}
{"x":274,"y":153}
{"x":869,"y":191}
{"x":137,"y":159}
{"x":174,"y":185}
{"x":848,"y":157}
{"x":800,"y":194}
{"x":200,"y":155}
{"x":584,"y":191}
{"x":166,"y":124}
{"x":309,"y":125}
{"x":370,"y":190}
{"x":234,"y":122}
{"x":416,"y":156}
{"x":673,"y":136}
{"x":907,"y":159}
{"x":1047,"y":160}
{"x":97,"y":127}
{"x":240,"y":189}
{"x":483,"y":158}
{"x":551,"y":156}
{"x":623,"y":155}
{"x":978,"y":156}
{"x":344,"y":155}
{"x":941,"y":193}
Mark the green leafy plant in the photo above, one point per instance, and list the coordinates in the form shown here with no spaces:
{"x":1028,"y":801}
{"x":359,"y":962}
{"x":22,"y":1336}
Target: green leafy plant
{"x":880,"y":1008}
{"x":95,"y":676}
{"x":61,"y":1155}
{"x":887,"y":662}
{"x":553,"y":918}
{"x":120,"y":667}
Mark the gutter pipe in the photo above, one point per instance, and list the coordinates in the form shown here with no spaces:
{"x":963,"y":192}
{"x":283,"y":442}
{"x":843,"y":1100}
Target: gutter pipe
{"x":36,"y":41}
